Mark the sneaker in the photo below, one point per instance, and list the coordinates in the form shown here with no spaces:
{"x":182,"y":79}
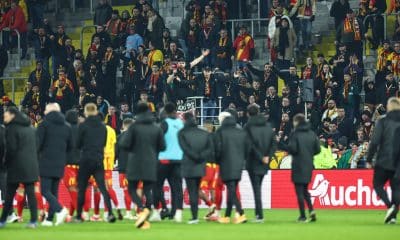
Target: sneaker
{"x":240,"y":219}
{"x":3,"y":224}
{"x":164,"y":213}
{"x":32,"y":225}
{"x":119,"y":214}
{"x":258,"y":220}
{"x":145,"y":226}
{"x":302,"y":220}
{"x":211,"y":211}
{"x":155,"y":216}
{"x":68,"y":219}
{"x":95,"y":218}
{"x":12,"y":218}
{"x":390,"y":213}
{"x":61,"y":216}
{"x":111,"y":218}
{"x":135,"y":217}
{"x":393,"y":221}
{"x":128,"y":216}
{"x":77,"y":220}
{"x":224,"y":220}
{"x":142,"y":217}
{"x":313,"y":217}
{"x":105,"y":215}
{"x":194,"y":221}
{"x":47,"y":223}
{"x":178,"y":216}
{"x":85,"y":217}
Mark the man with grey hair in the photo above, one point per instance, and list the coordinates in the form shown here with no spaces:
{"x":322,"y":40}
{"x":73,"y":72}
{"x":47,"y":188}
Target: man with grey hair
{"x":54,"y":141}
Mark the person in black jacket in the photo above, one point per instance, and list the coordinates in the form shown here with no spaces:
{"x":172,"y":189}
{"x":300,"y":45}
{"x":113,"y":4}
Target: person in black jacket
{"x":71,"y":169}
{"x":21,"y":162}
{"x":338,"y":11}
{"x":303,"y":146}
{"x":123,"y":155}
{"x":232,"y":148}
{"x":262,"y":139}
{"x":197,"y":147}
{"x":54,"y":141}
{"x":92,"y":137}
{"x":102,"y":13}
{"x":381,"y":143}
{"x":3,"y":65}
{"x":144,"y":140}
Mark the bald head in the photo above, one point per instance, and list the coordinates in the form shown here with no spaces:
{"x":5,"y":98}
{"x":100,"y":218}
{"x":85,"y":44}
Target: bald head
{"x":222,"y":116}
{"x":52,"y":107}
{"x":393,"y":104}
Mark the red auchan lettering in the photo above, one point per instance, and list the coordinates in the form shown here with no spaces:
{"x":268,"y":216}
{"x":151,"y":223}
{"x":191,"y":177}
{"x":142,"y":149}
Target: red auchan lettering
{"x":328,"y":189}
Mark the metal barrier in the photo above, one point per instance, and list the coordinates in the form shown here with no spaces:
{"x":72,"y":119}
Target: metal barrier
{"x":235,"y":23}
{"x":18,"y":47}
{"x":201,"y":108}
{"x":13,"y":85}
{"x":82,"y":32}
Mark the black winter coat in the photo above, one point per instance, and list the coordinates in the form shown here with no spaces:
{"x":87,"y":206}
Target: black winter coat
{"x":262,"y":139}
{"x":232,"y":148}
{"x":92,"y":137}
{"x":198,"y":148}
{"x":54,"y":141}
{"x":21,"y":158}
{"x":303,"y":146}
{"x":73,"y":154}
{"x":144,"y":141}
{"x":396,"y":153}
{"x":2,"y":147}
{"x":102,"y":14}
{"x":382,"y":141}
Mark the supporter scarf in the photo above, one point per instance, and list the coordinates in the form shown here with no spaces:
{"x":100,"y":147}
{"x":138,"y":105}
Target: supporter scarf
{"x":352,"y":26}
{"x":388,"y":87}
{"x":307,"y":73}
{"x":283,"y":41}
{"x":153,"y":82}
{"x":382,"y":59}
{"x":60,"y":92}
{"x":78,"y":75}
{"x":207,"y":91}
{"x":114,"y":121}
{"x":38,"y":75}
{"x":108,"y":56}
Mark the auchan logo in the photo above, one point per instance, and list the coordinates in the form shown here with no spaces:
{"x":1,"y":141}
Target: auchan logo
{"x":354,"y":194}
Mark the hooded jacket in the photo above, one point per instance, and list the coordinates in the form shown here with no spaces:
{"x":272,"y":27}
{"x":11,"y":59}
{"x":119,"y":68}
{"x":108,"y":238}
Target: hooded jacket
{"x":54,"y":141}
{"x":21,"y":158}
{"x":73,"y":154}
{"x":382,"y":141}
{"x":198,"y":148}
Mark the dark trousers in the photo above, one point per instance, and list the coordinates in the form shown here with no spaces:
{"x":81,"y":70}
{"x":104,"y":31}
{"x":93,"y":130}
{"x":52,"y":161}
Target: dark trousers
{"x":232,"y":200}
{"x":303,"y":195}
{"x":193,"y":185}
{"x":147,"y":190}
{"x":171,"y":172}
{"x":381,"y":176}
{"x":49,"y":187}
{"x":87,"y":169}
{"x":3,"y":184}
{"x":10,"y":193}
{"x":256,"y":182}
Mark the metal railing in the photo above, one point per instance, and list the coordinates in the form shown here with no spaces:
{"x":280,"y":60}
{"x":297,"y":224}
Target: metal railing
{"x":199,"y":107}
{"x":13,"y":85}
{"x":236,"y":23}
{"x":82,"y":32}
{"x":18,"y":46}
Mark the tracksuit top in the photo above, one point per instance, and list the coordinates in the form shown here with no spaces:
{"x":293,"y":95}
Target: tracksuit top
{"x":173,"y":151}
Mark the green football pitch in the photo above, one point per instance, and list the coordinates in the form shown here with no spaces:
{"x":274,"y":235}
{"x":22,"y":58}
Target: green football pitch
{"x":279,"y":224}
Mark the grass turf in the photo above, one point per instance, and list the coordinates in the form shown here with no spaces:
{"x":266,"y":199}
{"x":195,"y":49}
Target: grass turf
{"x":280,"y":224}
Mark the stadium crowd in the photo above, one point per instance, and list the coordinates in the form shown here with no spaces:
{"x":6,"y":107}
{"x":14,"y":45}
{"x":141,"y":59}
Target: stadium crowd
{"x":204,"y":61}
